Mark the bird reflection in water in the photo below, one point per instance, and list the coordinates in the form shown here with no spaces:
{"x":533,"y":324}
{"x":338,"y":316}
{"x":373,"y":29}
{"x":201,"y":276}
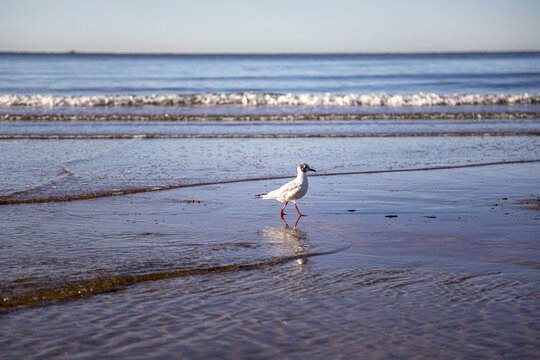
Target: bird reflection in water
{"x":290,"y":241}
{"x":295,"y":224}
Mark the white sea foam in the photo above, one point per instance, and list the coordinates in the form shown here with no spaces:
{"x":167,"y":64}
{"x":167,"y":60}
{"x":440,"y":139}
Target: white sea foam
{"x":266,"y":99}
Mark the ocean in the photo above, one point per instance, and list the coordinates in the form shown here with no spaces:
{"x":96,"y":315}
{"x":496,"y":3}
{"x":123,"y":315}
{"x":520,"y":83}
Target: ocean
{"x":130,"y":226}
{"x":171,"y":81}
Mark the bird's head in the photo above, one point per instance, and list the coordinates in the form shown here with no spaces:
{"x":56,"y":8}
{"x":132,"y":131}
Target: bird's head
{"x":305,"y":167}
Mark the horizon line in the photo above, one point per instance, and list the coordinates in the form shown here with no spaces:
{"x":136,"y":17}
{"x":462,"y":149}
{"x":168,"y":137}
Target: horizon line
{"x":278,"y":53}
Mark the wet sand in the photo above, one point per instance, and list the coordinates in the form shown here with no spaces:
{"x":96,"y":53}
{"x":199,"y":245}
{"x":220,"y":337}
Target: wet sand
{"x":423,"y":264}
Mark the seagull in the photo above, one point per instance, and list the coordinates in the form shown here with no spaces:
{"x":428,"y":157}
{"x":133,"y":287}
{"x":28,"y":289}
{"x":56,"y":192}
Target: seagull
{"x":292,"y":190}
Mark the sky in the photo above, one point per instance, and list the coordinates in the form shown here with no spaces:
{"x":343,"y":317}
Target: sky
{"x":276,"y":26}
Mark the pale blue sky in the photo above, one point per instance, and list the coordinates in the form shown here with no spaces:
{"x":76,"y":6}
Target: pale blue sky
{"x":269,"y":26}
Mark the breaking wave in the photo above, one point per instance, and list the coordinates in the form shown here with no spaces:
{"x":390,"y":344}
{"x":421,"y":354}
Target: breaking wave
{"x":268,"y":99}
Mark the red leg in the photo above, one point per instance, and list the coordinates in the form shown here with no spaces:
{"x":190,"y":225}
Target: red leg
{"x":283,"y":209}
{"x":298,"y":211}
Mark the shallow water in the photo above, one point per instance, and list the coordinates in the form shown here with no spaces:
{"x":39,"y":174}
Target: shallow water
{"x":114,"y":158}
{"x":233,"y":127}
{"x":456,"y":266}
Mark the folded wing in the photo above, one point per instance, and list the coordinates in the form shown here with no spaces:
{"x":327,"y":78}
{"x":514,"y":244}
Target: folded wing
{"x":287,"y":191}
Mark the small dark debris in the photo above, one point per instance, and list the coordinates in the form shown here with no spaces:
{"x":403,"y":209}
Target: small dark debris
{"x":390,"y":216}
{"x":430,"y":216}
{"x":351,"y":210}
{"x":504,"y":198}
{"x":530,"y":204}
